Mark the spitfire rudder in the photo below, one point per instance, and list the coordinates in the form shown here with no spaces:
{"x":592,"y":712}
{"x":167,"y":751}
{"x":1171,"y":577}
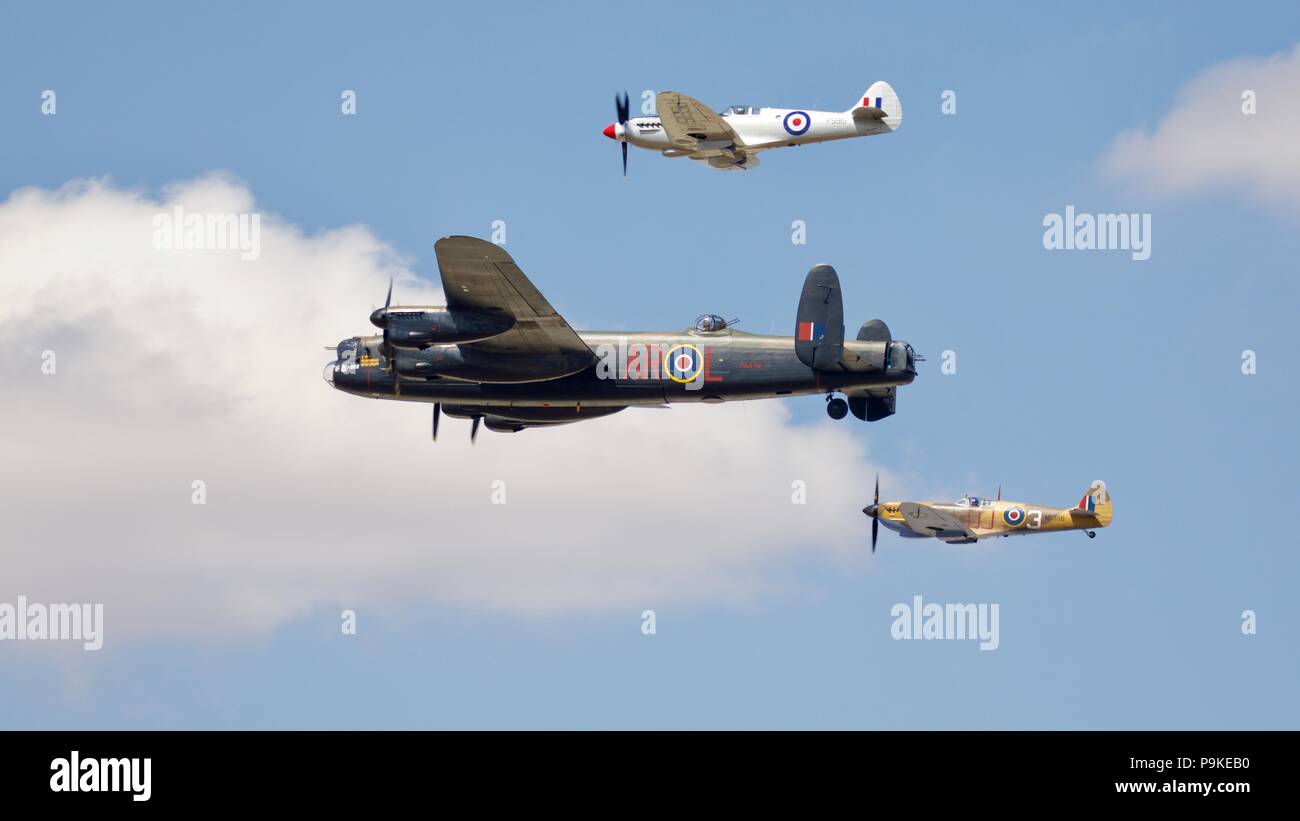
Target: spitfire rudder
{"x":1096,"y":501}
{"x":879,"y":102}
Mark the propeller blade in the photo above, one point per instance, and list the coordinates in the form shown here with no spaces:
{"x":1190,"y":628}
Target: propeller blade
{"x":388,"y":349}
{"x":473,"y":429}
{"x":875,"y":515}
{"x":623,"y":109}
{"x":437,"y":413}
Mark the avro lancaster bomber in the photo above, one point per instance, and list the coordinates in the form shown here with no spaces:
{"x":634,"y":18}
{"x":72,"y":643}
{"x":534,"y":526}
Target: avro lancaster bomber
{"x":497,"y":353}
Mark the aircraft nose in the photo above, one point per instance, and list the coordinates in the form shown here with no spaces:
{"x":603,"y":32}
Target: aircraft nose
{"x":870,"y":510}
{"x":614,"y":131}
{"x":330,"y":369}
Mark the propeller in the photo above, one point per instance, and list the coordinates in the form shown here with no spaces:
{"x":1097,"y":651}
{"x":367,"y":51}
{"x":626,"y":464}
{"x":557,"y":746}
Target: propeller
{"x":873,"y":510}
{"x":473,"y":429}
{"x":621,"y":103}
{"x":379,"y":318}
{"x":875,"y":517}
{"x":437,"y":414}
{"x":388,"y":300}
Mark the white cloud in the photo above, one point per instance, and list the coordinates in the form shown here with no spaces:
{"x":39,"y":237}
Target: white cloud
{"x":176,"y":366}
{"x":1206,"y":141}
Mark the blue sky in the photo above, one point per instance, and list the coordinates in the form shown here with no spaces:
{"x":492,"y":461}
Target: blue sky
{"x":1071,"y":366}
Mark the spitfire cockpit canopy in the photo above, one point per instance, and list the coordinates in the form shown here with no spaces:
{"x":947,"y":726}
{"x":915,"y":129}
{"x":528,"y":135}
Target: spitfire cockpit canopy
{"x":710,"y":323}
{"x":740,"y":109}
{"x":973,"y":501}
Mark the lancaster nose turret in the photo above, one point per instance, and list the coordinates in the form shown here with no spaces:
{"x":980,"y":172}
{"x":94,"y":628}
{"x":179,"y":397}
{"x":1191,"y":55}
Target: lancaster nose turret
{"x":345,"y":360}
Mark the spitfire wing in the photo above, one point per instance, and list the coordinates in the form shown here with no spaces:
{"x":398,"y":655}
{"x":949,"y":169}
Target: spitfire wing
{"x":927,"y":521}
{"x":687,"y":121}
{"x":479,"y":275}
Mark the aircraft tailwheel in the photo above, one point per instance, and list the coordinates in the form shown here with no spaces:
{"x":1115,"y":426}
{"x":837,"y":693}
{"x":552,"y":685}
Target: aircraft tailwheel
{"x":837,"y":408}
{"x":1092,"y":534}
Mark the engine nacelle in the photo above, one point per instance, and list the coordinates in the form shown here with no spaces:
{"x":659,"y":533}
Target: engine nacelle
{"x":427,"y":364}
{"x":513,"y":420}
{"x":470,"y":365}
{"x":499,"y":425}
{"x":418,"y":328}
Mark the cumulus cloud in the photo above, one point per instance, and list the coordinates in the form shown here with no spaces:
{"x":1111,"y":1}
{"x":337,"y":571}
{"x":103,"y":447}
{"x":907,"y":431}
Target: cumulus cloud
{"x":1207,"y":141}
{"x":176,"y":366}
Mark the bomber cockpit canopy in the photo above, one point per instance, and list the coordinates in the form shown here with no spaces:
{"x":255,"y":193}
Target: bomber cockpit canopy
{"x":740,"y":109}
{"x":710,"y":323}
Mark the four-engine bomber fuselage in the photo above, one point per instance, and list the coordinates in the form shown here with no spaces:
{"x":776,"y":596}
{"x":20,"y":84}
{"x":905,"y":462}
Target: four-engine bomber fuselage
{"x":630,"y":369}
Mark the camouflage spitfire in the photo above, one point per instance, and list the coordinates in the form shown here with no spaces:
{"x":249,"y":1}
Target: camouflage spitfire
{"x":499,"y":354}
{"x":971,"y":518}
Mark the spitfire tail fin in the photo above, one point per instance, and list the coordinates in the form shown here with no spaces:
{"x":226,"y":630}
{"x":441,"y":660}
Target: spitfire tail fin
{"x":879,"y":103}
{"x":1096,"y":500}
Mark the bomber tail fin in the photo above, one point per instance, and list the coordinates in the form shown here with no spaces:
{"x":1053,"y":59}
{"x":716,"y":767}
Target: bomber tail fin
{"x":879,"y":103}
{"x":1096,"y":502}
{"x":819,"y":322}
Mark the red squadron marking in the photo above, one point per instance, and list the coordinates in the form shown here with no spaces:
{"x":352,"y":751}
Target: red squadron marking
{"x":707,"y":353}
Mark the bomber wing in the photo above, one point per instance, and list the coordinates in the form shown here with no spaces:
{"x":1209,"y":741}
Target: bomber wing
{"x":928,"y":521}
{"x":481,"y":276}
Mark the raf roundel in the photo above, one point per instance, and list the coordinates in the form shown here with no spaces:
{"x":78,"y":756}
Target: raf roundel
{"x":683,"y":363}
{"x":797,"y":122}
{"x":1014,"y":516}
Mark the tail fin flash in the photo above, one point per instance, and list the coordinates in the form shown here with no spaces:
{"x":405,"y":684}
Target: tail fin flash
{"x":1097,"y":502}
{"x":881,"y":104}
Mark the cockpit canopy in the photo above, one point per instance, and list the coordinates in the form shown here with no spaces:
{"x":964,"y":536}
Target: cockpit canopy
{"x":973,"y":501}
{"x":709,"y":323}
{"x":740,"y":109}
